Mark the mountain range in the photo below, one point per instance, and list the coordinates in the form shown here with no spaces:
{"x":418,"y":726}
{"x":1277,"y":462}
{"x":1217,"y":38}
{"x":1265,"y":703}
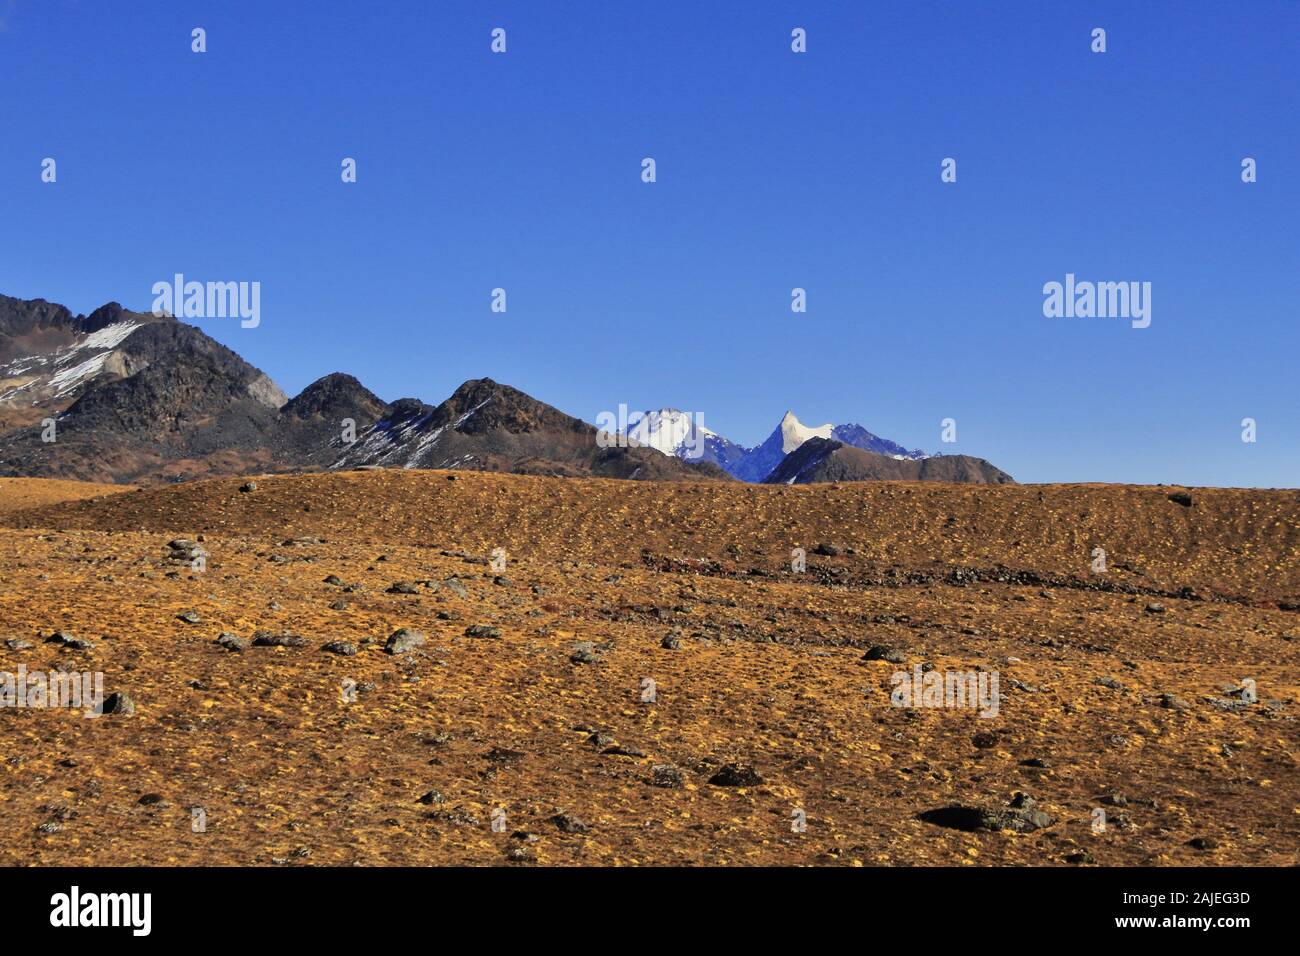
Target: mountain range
{"x":134,"y":397}
{"x":678,"y":433}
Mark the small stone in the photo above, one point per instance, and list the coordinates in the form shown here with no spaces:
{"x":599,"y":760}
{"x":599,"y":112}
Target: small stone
{"x":267,"y":639}
{"x":1155,"y":608}
{"x":584,"y":653}
{"x":569,"y":824}
{"x":736,"y":775}
{"x":342,"y":648}
{"x":402,"y":640}
{"x":248,"y":486}
{"x":189,"y":617}
{"x":1181,"y":498}
{"x":1174,"y":702}
{"x":232,"y":642}
{"x":339,"y":605}
{"x":118,"y":703}
{"x":18,"y":644}
{"x":482,"y":630}
{"x":1110,"y":682}
{"x":666,"y":776}
{"x":671,"y":643}
{"x":885,"y":652}
{"x":1203,"y":843}
{"x":403,"y":587}
{"x":333,"y":579}
{"x":432,"y":797}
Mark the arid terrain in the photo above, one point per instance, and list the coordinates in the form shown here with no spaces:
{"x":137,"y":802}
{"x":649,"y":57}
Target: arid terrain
{"x":1121,"y":690}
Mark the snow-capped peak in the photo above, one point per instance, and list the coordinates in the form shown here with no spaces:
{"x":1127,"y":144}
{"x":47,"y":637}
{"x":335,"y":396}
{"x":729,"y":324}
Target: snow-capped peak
{"x":794,"y":432}
{"x":667,"y":430}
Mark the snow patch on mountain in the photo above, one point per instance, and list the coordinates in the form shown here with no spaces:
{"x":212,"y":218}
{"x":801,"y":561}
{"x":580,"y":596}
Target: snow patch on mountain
{"x":794,"y":432}
{"x":668,"y":430}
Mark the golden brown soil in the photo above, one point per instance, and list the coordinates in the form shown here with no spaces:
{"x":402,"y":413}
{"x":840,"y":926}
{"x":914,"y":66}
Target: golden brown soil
{"x":19,"y":493}
{"x":769,"y":673}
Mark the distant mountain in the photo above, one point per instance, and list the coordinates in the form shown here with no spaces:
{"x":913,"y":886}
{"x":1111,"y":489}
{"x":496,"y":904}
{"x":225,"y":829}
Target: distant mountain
{"x":675,"y":433}
{"x":486,"y":426}
{"x":823,"y":459}
{"x":138,"y":398}
{"x":680,"y":434}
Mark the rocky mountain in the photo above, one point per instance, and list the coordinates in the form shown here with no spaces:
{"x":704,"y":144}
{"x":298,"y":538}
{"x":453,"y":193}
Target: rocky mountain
{"x":824,"y":459}
{"x":679,"y":433}
{"x":486,"y":426}
{"x":48,"y":355}
{"x":684,"y":436}
{"x":126,"y":396}
{"x":134,"y":397}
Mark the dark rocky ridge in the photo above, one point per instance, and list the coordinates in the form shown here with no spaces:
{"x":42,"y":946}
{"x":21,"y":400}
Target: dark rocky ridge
{"x":823,"y":459}
{"x":162,"y":401}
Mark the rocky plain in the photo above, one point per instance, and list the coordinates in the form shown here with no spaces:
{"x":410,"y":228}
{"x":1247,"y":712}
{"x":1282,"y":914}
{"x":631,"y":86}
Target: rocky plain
{"x":461,"y":668}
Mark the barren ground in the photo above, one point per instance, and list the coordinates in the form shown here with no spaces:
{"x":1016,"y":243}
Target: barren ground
{"x":769,"y":672}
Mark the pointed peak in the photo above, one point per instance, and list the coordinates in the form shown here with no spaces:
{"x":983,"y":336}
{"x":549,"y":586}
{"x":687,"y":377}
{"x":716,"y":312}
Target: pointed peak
{"x":794,"y":432}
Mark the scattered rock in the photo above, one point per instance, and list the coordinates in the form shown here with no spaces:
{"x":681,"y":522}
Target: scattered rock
{"x":1174,"y":702}
{"x":885,"y":652}
{"x":569,"y":824}
{"x":1023,"y":819}
{"x":482,"y":630}
{"x":736,"y":775}
{"x":118,"y":703}
{"x":267,"y":639}
{"x":189,"y":617}
{"x":67,"y":640}
{"x":232,"y":642}
{"x":342,"y":648}
{"x":403,"y":587}
{"x":1155,"y":608}
{"x":402,"y":640}
{"x":584,"y":653}
{"x":1181,"y":498}
{"x":666,"y":776}
{"x":248,"y":486}
{"x":671,"y":643}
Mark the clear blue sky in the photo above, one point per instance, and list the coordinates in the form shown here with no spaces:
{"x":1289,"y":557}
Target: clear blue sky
{"x":775,"y":170}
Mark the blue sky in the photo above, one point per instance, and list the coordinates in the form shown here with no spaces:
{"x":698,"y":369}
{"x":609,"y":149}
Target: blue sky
{"x":775,"y":170}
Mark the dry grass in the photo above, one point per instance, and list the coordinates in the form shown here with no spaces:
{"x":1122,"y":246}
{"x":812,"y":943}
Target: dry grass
{"x":769,"y":673}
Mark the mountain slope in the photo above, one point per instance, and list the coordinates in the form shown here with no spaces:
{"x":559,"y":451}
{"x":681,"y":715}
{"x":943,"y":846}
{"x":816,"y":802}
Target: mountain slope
{"x":822,"y":459}
{"x":167,"y":401}
{"x":48,"y":356}
{"x":486,"y":426}
{"x":682,"y":435}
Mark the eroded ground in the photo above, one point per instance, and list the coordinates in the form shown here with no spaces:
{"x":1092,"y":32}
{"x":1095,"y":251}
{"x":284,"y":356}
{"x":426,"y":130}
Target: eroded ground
{"x":289,"y":769}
